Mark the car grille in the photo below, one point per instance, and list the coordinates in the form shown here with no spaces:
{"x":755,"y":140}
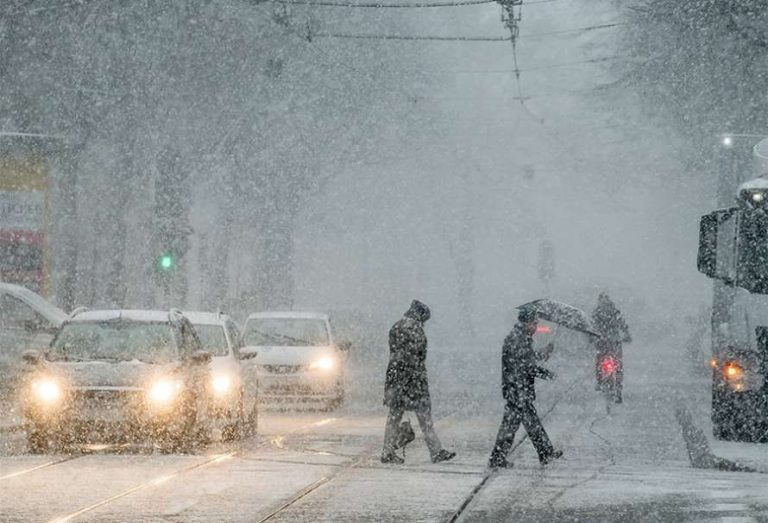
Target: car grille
{"x":282,"y":369}
{"x":105,"y":398}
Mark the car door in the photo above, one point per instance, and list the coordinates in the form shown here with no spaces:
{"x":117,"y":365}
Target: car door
{"x":21,"y":328}
{"x":247,"y":366}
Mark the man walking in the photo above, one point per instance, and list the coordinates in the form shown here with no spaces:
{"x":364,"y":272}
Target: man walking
{"x":518,"y":374}
{"x":406,"y":385}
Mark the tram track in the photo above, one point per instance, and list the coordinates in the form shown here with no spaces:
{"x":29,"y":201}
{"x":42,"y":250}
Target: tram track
{"x":164,"y":478}
{"x":466,"y":503}
{"x":353,"y":463}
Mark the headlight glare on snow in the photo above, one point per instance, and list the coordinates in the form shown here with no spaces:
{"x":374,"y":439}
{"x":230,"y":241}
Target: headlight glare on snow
{"x":326,"y":363}
{"x":164,"y":391}
{"x":221,"y":385}
{"x":47,"y":391}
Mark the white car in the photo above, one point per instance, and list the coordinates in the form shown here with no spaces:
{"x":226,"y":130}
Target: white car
{"x":233,"y":382}
{"x":298,"y":360}
{"x":27,"y":322}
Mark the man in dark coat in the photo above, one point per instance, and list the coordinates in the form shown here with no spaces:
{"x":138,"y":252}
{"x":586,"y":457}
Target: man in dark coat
{"x":406,"y":385}
{"x":609,"y":322}
{"x":519,"y":371}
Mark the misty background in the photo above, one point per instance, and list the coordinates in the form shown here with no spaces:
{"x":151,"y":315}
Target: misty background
{"x":287,"y":168}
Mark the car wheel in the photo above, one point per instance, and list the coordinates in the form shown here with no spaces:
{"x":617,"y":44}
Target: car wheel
{"x":38,"y":439}
{"x":236,"y":426}
{"x":252,"y":421}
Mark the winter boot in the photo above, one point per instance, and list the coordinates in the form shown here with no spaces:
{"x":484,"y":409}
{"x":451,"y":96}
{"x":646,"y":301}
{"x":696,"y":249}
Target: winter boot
{"x":497,"y":462}
{"x":392,"y":458}
{"x":552,"y":456}
{"x":443,"y":455}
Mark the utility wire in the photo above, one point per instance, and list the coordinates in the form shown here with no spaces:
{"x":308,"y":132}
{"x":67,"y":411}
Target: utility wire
{"x":377,"y":5}
{"x":536,"y":68}
{"x":374,"y":36}
{"x":381,"y":5}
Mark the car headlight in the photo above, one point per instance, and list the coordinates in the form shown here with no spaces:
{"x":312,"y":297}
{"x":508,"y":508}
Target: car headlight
{"x":164,"y":391}
{"x":221,"y":385}
{"x":47,"y":390}
{"x":325,"y":364}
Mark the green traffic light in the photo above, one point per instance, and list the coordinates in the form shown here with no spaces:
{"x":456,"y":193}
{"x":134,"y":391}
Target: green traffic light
{"x":166,"y":262}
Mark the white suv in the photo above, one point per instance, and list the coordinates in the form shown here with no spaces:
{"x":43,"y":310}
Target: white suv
{"x":298,"y":360}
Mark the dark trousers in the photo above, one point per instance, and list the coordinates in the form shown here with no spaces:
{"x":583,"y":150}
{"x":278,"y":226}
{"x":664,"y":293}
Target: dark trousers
{"x":424,"y":415}
{"x":515,"y":412}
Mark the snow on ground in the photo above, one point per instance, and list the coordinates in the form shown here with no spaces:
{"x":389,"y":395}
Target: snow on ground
{"x":630,"y":465}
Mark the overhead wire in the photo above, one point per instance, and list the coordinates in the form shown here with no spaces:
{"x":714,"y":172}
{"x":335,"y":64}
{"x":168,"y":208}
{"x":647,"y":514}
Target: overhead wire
{"x":381,"y":36}
{"x":402,"y":5}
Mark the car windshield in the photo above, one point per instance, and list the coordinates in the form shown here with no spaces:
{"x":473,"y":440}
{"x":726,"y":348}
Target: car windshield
{"x":114,"y":341}
{"x":213,"y":339}
{"x":288,"y":332}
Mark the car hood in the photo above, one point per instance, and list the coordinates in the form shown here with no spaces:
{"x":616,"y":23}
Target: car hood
{"x":107,"y":374}
{"x":289,"y":355}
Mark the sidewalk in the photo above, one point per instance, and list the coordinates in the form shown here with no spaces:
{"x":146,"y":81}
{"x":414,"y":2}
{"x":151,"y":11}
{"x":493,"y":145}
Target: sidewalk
{"x":754,"y":455}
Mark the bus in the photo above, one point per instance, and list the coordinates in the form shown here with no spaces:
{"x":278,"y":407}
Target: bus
{"x":733,"y":249}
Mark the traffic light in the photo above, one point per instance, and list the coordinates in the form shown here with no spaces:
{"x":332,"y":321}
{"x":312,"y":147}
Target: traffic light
{"x":166,"y":262}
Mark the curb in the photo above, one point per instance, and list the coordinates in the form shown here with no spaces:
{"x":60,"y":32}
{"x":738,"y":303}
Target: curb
{"x":699,"y":452}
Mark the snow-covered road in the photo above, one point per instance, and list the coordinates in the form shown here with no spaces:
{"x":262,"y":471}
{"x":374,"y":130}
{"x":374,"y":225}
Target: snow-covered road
{"x":629,"y":466}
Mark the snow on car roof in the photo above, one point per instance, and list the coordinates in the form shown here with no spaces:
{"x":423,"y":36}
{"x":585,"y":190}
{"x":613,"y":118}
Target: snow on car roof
{"x":204,"y":318}
{"x":289,"y":315}
{"x":755,"y":184}
{"x":37,"y":302}
{"x":127,"y":314}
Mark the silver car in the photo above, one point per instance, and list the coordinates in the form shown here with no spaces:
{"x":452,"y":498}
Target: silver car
{"x":121,"y":375}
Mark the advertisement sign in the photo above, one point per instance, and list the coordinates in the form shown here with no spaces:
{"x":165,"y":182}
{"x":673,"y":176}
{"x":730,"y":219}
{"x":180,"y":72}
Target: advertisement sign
{"x":22,"y":210}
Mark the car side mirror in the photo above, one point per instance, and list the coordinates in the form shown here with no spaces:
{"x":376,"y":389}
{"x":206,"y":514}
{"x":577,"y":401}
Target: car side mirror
{"x":248,"y":354}
{"x":202,"y":357}
{"x":717,"y":245}
{"x":31,"y":357}
{"x":344,"y":346}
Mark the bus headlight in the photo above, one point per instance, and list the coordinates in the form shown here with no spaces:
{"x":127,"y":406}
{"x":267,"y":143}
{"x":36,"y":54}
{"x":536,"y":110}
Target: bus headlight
{"x":164,"y":391}
{"x":47,"y":391}
{"x":325,"y":364}
{"x":733,"y":371}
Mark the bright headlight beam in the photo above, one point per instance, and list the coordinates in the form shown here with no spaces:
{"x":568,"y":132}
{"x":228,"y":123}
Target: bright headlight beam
{"x":47,"y":390}
{"x":221,"y":384}
{"x":164,"y":391}
{"x":758,"y":197}
{"x":727,"y":141}
{"x":323,"y":364}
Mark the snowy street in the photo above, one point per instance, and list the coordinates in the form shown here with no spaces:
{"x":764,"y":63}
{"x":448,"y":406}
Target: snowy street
{"x":630,"y":465}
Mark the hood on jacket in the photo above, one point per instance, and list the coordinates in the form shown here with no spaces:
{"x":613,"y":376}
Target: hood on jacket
{"x":418,"y":311}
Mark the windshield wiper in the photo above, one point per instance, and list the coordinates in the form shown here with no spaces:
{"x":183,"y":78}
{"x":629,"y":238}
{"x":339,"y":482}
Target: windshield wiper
{"x":277,"y":337}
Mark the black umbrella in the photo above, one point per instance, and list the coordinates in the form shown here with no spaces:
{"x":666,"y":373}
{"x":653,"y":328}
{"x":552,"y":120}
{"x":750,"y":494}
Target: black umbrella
{"x":561,"y":314}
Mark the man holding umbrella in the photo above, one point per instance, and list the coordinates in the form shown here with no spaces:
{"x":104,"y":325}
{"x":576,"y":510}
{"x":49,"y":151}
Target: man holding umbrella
{"x":518,"y":375}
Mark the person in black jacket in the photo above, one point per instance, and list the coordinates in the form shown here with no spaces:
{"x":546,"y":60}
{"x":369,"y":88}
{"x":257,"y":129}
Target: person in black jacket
{"x":518,"y":375}
{"x":609,"y":322}
{"x":406,"y":385}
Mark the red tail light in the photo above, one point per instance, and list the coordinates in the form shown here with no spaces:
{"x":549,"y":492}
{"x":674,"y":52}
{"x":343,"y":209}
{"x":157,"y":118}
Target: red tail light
{"x":543,"y":329}
{"x":609,"y":365}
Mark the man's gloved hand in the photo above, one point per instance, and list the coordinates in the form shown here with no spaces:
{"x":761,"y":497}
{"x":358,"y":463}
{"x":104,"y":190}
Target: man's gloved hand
{"x":546,"y":352}
{"x":546,"y":374}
